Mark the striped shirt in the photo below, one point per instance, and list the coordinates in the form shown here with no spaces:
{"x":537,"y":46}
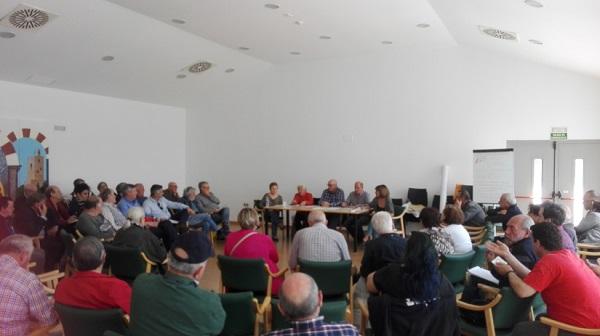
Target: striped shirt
{"x":316,"y":327}
{"x":23,"y":302}
{"x":318,"y":243}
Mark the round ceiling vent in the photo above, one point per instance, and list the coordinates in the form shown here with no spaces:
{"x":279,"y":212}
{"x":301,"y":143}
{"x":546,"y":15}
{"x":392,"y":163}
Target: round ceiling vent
{"x":499,"y":34}
{"x":28,"y":18}
{"x":199,"y":67}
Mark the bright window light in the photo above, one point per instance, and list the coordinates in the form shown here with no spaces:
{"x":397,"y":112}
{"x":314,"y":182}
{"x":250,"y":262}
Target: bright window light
{"x":536,"y":192}
{"x":578,"y":192}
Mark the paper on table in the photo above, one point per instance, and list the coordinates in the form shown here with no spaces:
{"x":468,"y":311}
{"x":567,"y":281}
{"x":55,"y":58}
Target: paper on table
{"x":483,"y":274}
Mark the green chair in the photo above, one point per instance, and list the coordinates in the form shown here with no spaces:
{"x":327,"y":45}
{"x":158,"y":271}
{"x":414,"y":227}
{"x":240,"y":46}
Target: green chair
{"x":501,"y":314}
{"x":455,"y":266}
{"x":332,"y":312}
{"x":334,"y":279}
{"x":242,"y":312}
{"x":479,"y":257}
{"x":538,"y":306}
{"x":257,"y":278}
{"x":127,"y":263}
{"x":90,"y":322}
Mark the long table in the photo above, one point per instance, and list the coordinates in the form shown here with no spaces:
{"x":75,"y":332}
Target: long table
{"x":349,"y":211}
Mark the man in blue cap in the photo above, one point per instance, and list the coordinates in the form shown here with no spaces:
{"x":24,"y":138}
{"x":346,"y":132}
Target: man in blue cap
{"x":174,"y":304}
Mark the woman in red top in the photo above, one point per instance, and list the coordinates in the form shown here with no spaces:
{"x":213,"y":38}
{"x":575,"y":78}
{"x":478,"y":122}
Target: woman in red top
{"x":251,"y":244}
{"x":302,"y":197}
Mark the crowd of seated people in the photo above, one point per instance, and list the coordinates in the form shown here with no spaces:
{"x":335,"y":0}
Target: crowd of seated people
{"x":399,"y":279}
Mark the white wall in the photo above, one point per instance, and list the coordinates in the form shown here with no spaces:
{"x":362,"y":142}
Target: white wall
{"x":106,"y":139}
{"x":392,"y":119}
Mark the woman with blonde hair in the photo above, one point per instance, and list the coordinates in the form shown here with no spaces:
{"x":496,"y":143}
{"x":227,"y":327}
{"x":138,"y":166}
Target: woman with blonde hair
{"x":248,"y":243}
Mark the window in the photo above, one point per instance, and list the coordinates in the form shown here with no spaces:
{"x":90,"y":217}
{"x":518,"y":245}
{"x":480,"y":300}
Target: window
{"x":578,"y":192}
{"x":536,"y":193}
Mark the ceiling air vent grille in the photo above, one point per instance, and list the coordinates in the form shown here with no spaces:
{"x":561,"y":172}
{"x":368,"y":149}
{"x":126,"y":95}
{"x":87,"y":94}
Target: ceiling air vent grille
{"x":199,"y":67}
{"x":499,"y":34}
{"x":27,"y":18}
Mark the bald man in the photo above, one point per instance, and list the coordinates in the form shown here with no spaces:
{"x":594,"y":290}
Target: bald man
{"x":300,"y":301}
{"x":333,"y":197}
{"x":318,"y":242}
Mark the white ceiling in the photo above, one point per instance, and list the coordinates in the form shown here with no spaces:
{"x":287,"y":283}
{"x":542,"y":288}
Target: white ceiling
{"x":150,"y":50}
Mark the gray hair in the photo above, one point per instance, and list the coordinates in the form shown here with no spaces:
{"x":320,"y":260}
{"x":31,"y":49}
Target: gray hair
{"x":317,"y":216}
{"x":382,"y":222}
{"x":88,"y":254}
{"x":527,"y":222}
{"x":16,"y":243}
{"x":510,"y":198}
{"x":304,"y":308}
{"x":136,"y":215}
{"x":188,"y":190}
{"x":183,"y":267}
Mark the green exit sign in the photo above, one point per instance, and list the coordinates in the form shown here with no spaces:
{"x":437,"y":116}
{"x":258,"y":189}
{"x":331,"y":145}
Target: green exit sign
{"x":558,"y":133}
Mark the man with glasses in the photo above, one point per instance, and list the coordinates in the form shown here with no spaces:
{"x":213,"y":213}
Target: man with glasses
{"x":333,"y":197}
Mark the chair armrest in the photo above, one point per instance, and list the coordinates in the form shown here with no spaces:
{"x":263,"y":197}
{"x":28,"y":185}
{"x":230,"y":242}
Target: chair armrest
{"x":488,"y":289}
{"x":148,"y":260}
{"x":31,"y":265}
{"x":401,"y":214}
{"x":588,"y":246}
{"x":126,"y":319}
{"x":48,"y":290}
{"x":276,"y":275}
{"x":265,"y":306}
{"x":50,"y":276}
{"x":472,"y":307}
{"x":567,"y":327}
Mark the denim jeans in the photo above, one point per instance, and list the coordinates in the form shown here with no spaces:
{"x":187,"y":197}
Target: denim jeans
{"x":208,"y":224}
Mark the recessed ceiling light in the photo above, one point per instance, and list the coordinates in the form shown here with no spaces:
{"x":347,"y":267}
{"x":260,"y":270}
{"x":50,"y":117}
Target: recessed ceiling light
{"x":295,"y":53}
{"x":386,"y":42}
{"x":230,"y":70}
{"x":423,"y":25}
{"x":7,"y":35}
{"x":299,"y":22}
{"x":272,"y":6}
{"x":538,"y":42}
{"x":180,"y":76}
{"x":534,"y":3}
{"x":325,"y":37}
{"x":499,"y":33}
{"x":244,"y":48}
{"x":108,"y":58}
{"x":178,"y":21}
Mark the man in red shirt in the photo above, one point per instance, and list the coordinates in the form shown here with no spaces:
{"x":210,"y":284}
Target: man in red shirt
{"x":569,"y":288}
{"x":89,"y":288}
{"x":302,"y":197}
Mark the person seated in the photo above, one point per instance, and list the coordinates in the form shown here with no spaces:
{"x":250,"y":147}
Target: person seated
{"x":333,"y":197}
{"x":559,"y":276}
{"x":472,"y":212}
{"x":76,"y":182}
{"x":58,"y":210}
{"x":140,"y":193}
{"x":137,"y":235}
{"x":101,"y":187}
{"x":248,"y":243}
{"x":442,"y":241}
{"x":88,"y":288}
{"x":128,"y":199}
{"x":354,"y":224}
{"x":415,"y":295}
{"x":318,"y":242}
{"x":21,"y":203}
{"x":81,"y":193}
{"x":24,"y":305}
{"x":508,"y":209}
{"x":534,"y":213}
{"x":302,"y":198}
{"x":300,"y":301}
{"x":387,"y":248}
{"x":518,"y":239}
{"x":452,"y":218}
{"x":171,"y":193}
{"x":92,"y":223}
{"x":32,"y":220}
{"x":200,"y":219}
{"x":185,"y":308}
{"x":555,"y":214}
{"x":110,"y":210}
{"x":272,"y":216}
{"x":381,"y":202}
{"x":188,"y":198}
{"x":208,"y":203}
{"x":588,"y":230}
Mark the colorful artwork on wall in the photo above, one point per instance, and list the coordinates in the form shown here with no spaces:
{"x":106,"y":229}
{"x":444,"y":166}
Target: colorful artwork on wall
{"x":23,"y":155}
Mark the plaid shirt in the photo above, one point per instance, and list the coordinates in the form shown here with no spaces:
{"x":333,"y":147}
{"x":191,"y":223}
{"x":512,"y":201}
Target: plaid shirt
{"x":335,"y":199}
{"x":316,"y":327}
{"x":23,"y":302}
{"x":318,"y":243}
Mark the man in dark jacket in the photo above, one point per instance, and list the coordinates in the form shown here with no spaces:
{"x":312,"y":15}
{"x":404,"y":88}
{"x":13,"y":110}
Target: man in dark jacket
{"x":508,"y":209}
